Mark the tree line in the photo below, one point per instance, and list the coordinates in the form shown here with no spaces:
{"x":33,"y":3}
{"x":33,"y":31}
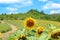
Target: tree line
{"x":31,"y":13}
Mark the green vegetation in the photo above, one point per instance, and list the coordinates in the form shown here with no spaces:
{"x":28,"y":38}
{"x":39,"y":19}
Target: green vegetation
{"x":31,"y":13}
{"x":4,"y":28}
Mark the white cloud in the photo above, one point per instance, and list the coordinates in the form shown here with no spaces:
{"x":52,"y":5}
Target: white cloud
{"x":11,"y":9}
{"x":43,"y":0}
{"x":21,"y":2}
{"x":17,"y":3}
{"x":9,"y":1}
{"x":51,"y":5}
{"x":55,"y":11}
{"x":27,"y":3}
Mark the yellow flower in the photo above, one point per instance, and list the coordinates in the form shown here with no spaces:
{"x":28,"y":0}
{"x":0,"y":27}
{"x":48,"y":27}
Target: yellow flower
{"x":0,"y":35}
{"x":55,"y":33}
{"x":30,"y":23}
{"x":22,"y":37}
{"x":15,"y":38}
{"x":39,"y":30}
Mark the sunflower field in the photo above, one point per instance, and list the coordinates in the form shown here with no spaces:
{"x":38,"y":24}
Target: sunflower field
{"x":32,"y":29}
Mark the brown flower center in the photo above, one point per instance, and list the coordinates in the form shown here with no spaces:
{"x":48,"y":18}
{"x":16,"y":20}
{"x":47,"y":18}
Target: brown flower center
{"x":40,"y":31}
{"x":23,"y":38}
{"x":30,"y":23}
{"x":55,"y":35}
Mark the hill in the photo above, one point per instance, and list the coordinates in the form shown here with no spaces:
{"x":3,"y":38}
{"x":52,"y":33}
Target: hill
{"x":31,"y":13}
{"x":55,"y":17}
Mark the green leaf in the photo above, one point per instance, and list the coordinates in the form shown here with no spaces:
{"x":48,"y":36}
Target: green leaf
{"x":32,"y":38}
{"x":20,"y":31}
{"x":51,"y":26}
{"x":43,"y":36}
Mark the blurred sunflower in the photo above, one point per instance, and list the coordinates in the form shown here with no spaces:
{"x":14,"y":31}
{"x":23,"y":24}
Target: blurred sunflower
{"x":14,"y":38}
{"x":55,"y":33}
{"x":39,"y":31}
{"x":22,"y":37}
{"x":30,"y":23}
{"x":0,"y":35}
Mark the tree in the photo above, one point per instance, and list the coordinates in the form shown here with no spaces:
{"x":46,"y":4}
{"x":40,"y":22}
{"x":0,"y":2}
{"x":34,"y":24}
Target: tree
{"x":42,"y":12}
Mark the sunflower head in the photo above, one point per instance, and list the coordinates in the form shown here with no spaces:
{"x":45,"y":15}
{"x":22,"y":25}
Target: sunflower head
{"x":0,"y":35}
{"x":55,"y":33}
{"x":22,"y":37}
{"x":39,"y":31}
{"x":30,"y":23}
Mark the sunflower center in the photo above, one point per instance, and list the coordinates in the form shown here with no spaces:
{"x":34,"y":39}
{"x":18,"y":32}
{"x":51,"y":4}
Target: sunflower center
{"x":39,"y":31}
{"x":23,"y":38}
{"x":30,"y":23}
{"x":55,"y":35}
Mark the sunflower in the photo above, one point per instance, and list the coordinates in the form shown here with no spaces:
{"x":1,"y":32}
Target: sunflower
{"x":39,"y":31}
{"x":22,"y":37}
{"x":30,"y":23}
{"x":0,"y":35}
{"x":55,"y":33}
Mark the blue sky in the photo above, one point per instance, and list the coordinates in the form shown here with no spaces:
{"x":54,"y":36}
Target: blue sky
{"x":16,"y":6}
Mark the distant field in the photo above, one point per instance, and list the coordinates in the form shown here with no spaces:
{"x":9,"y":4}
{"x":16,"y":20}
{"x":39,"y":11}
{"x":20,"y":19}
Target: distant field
{"x":4,"y":28}
{"x":18,"y":23}
{"x":44,"y":23}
